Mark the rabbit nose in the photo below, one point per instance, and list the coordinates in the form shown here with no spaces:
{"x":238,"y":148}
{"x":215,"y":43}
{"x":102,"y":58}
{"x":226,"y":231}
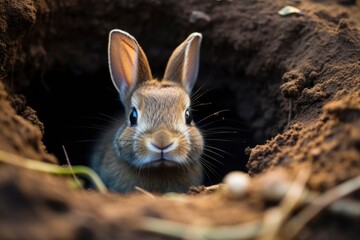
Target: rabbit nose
{"x":162,"y":140}
{"x":162,"y":147}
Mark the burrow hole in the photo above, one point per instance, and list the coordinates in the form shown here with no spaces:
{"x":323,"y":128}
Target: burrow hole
{"x":76,"y":108}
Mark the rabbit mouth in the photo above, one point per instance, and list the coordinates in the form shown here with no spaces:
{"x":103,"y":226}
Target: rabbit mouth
{"x":162,"y":162}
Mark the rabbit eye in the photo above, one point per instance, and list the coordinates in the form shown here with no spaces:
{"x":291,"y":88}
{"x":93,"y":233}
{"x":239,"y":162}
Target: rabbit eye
{"x":188,"y":117}
{"x":133,"y":117}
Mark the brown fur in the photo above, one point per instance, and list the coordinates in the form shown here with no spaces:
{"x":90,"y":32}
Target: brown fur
{"x":161,"y":112}
{"x":161,"y":151}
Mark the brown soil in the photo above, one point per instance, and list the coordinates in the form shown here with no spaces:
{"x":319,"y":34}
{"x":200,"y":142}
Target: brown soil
{"x":294,"y":81}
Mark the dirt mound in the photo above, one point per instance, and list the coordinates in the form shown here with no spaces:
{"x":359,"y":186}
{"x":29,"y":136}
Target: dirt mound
{"x":293,"y":82}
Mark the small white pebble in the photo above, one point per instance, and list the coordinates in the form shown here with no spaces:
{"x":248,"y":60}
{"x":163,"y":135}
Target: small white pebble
{"x":275,"y":185}
{"x":287,"y":10}
{"x":199,"y":15}
{"x":237,"y":183}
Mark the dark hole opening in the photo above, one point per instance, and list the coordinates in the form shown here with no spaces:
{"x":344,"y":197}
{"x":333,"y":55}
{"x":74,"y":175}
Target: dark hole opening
{"x":76,"y":109}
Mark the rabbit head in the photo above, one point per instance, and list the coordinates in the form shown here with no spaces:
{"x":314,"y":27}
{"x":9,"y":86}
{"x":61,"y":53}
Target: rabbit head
{"x":159,"y":131}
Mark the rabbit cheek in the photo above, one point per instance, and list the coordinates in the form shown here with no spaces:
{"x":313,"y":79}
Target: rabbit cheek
{"x":197,"y":145}
{"x":124,"y":144}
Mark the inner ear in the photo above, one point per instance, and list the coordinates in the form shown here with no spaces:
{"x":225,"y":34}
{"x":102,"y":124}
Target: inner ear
{"x":183,"y":64}
{"x":127,"y":62}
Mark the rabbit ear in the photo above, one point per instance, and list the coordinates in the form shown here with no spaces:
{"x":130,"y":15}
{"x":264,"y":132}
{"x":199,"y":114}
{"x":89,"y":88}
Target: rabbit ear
{"x":127,"y":62}
{"x":183,"y":65}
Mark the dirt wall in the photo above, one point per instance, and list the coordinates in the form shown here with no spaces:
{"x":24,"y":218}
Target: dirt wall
{"x":294,"y":81}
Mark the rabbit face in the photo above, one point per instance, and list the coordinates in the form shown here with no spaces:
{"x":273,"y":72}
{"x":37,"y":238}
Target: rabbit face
{"x":161,"y":133}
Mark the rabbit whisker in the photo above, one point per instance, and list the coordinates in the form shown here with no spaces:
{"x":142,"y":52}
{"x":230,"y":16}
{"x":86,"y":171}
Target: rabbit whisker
{"x":213,"y":114}
{"x":210,"y":123}
{"x":85,"y":141}
{"x":206,"y":149}
{"x":220,"y":150}
{"x":96,"y":127}
{"x":222,"y":128}
{"x":220,"y":132}
{"x":103,"y":120}
{"x":210,"y":167}
{"x":212,"y":158}
{"x":206,"y":167}
{"x":198,"y":93}
{"x":218,"y":140}
{"x":110,"y":117}
{"x":194,"y":105}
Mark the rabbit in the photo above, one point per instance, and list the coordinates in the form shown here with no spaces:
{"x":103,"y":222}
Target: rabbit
{"x":157,"y":147}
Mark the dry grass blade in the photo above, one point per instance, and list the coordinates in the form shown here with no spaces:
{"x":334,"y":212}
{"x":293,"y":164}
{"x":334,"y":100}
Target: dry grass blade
{"x":187,"y":231}
{"x":70,"y":167}
{"x":275,"y":217}
{"x":214,"y":187}
{"x":267,"y":228}
{"x":13,"y":159}
{"x":294,"y":226}
{"x":149,"y":194}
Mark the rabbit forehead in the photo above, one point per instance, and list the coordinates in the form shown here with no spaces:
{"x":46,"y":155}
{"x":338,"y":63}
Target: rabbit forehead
{"x":161,"y":97}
